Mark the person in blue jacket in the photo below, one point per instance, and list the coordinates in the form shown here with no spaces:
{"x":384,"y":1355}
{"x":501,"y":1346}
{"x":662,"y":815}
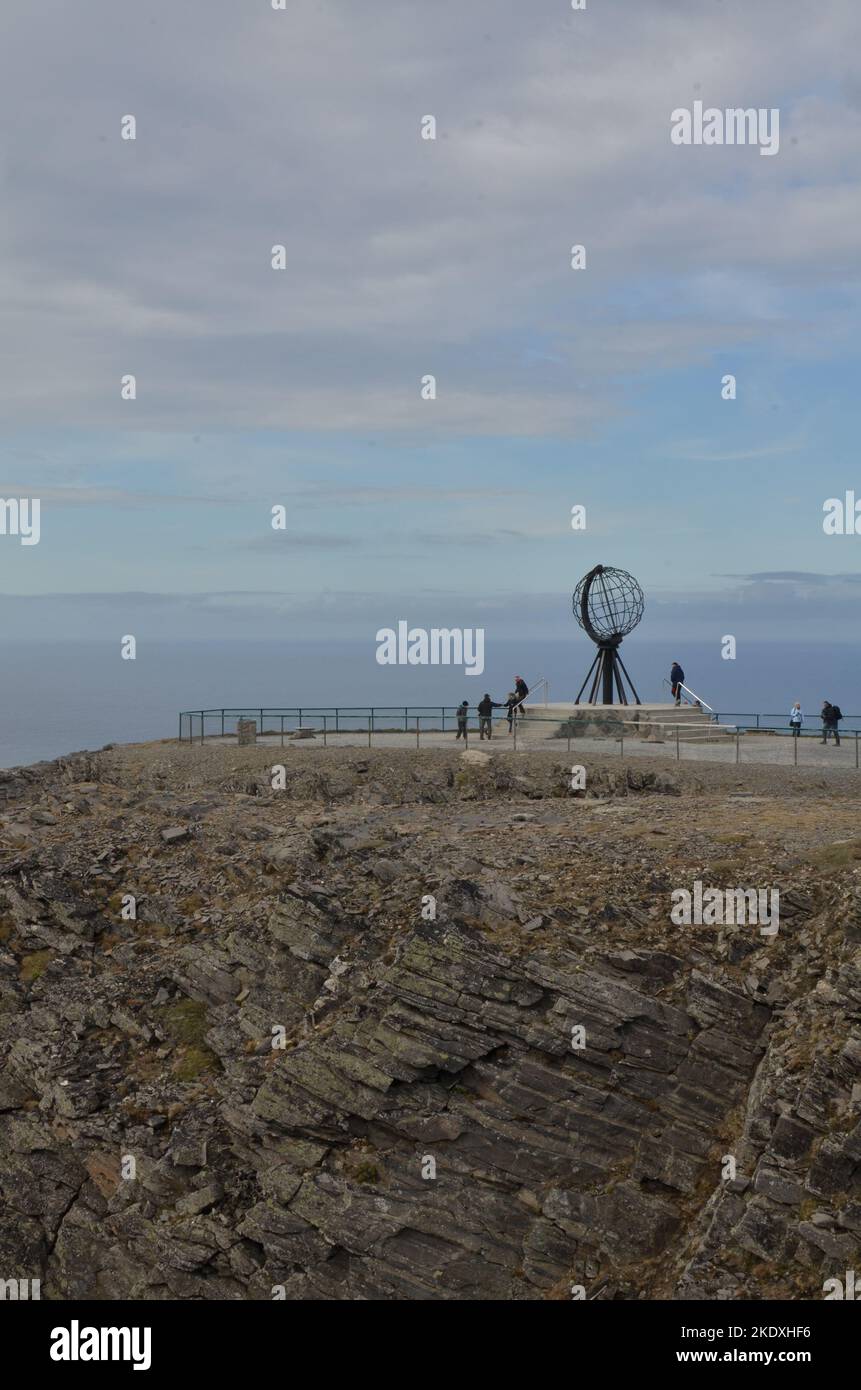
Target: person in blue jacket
{"x":677,"y":677}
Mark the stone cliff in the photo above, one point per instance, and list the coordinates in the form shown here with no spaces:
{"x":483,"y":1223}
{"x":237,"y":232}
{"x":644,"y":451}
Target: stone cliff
{"x":334,"y":1051}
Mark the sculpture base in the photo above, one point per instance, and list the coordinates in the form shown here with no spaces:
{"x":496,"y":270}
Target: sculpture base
{"x":609,"y":674}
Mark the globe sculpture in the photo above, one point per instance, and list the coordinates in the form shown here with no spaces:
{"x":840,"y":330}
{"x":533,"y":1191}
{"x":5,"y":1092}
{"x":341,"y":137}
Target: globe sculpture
{"x":608,"y":604}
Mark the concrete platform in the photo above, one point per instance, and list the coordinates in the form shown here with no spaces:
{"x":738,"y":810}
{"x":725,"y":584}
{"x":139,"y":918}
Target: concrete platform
{"x":654,"y":721}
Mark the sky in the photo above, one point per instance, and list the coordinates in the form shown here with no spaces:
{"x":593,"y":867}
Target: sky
{"x":301,"y":387}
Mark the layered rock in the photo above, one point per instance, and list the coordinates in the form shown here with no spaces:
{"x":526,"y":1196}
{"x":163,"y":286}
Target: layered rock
{"x":439,"y":1043}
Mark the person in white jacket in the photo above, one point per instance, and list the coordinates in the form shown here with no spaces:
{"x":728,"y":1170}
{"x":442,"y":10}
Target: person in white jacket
{"x":795,"y":719}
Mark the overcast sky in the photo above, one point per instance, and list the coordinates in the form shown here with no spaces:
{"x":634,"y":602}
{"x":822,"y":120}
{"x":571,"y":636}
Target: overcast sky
{"x":405,"y":257}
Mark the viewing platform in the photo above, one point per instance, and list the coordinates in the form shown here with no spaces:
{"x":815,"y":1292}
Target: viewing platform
{"x":536,"y":722}
{"x":660,"y":730}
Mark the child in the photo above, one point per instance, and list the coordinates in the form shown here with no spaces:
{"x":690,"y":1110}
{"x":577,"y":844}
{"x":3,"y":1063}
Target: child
{"x":462,"y":712}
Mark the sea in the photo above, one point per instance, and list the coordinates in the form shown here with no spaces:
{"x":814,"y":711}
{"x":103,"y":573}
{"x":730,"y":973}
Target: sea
{"x":61,"y":697}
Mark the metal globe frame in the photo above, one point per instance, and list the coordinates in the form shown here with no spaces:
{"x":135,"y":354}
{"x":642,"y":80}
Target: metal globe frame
{"x":608,"y":604}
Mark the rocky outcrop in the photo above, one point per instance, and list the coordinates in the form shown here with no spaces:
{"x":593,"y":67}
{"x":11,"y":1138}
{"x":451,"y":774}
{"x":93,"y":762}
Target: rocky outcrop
{"x":442,"y":1044}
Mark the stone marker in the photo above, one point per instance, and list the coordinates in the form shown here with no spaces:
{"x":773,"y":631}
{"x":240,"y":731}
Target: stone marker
{"x":172,"y":833}
{"x":247,"y":731}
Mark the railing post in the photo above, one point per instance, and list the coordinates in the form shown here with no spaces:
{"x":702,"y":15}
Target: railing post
{"x":282,"y":731}
{"x":370,"y":726}
{"x":442,"y":712}
{"x":417,"y":730}
{"x":406,"y":711}
{"x":337,"y":718}
{"x":202,"y":717}
{"x":856,"y":747}
{"x":300,"y":718}
{"x":222,"y":723}
{"x":757,"y":721}
{"x":324,"y":729}
{"x":737,"y":737}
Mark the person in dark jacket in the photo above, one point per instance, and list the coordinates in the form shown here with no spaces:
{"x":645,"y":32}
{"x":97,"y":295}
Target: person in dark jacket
{"x":831,"y":716}
{"x":521,"y":690}
{"x":462,"y":715}
{"x":677,"y":678}
{"x":511,"y":704}
{"x":485,"y":710}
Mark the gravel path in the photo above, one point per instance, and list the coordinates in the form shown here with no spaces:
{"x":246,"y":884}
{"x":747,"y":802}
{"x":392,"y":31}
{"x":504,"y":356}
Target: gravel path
{"x":772,"y":750}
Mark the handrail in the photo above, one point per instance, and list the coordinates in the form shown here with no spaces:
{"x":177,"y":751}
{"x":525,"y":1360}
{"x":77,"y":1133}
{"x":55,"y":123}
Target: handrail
{"x":696,"y":699}
{"x":537,"y":684}
{"x":339,"y":719}
{"x":345,"y":719}
{"x":335,"y":718}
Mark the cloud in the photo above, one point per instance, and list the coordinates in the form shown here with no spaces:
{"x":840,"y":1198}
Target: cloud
{"x":798,"y":577}
{"x":756,"y":609}
{"x":701,"y":452}
{"x":407,"y":257}
{"x":87,"y":496}
{"x":288,"y":541}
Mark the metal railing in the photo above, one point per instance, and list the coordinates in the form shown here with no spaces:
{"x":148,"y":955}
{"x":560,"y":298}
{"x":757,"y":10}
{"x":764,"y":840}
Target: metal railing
{"x":694,"y":698}
{"x":271,"y":721}
{"x":283,"y":722}
{"x":779,"y":723}
{"x":393,"y":718}
{"x":333,"y":718}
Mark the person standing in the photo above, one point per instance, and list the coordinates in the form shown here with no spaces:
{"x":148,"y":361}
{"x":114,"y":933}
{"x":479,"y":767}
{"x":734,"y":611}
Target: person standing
{"x":462,"y":715}
{"x":831,"y":716}
{"x":677,"y":680}
{"x":511,"y":706}
{"x":795,"y":719}
{"x":485,"y":711}
{"x":521,"y":690}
